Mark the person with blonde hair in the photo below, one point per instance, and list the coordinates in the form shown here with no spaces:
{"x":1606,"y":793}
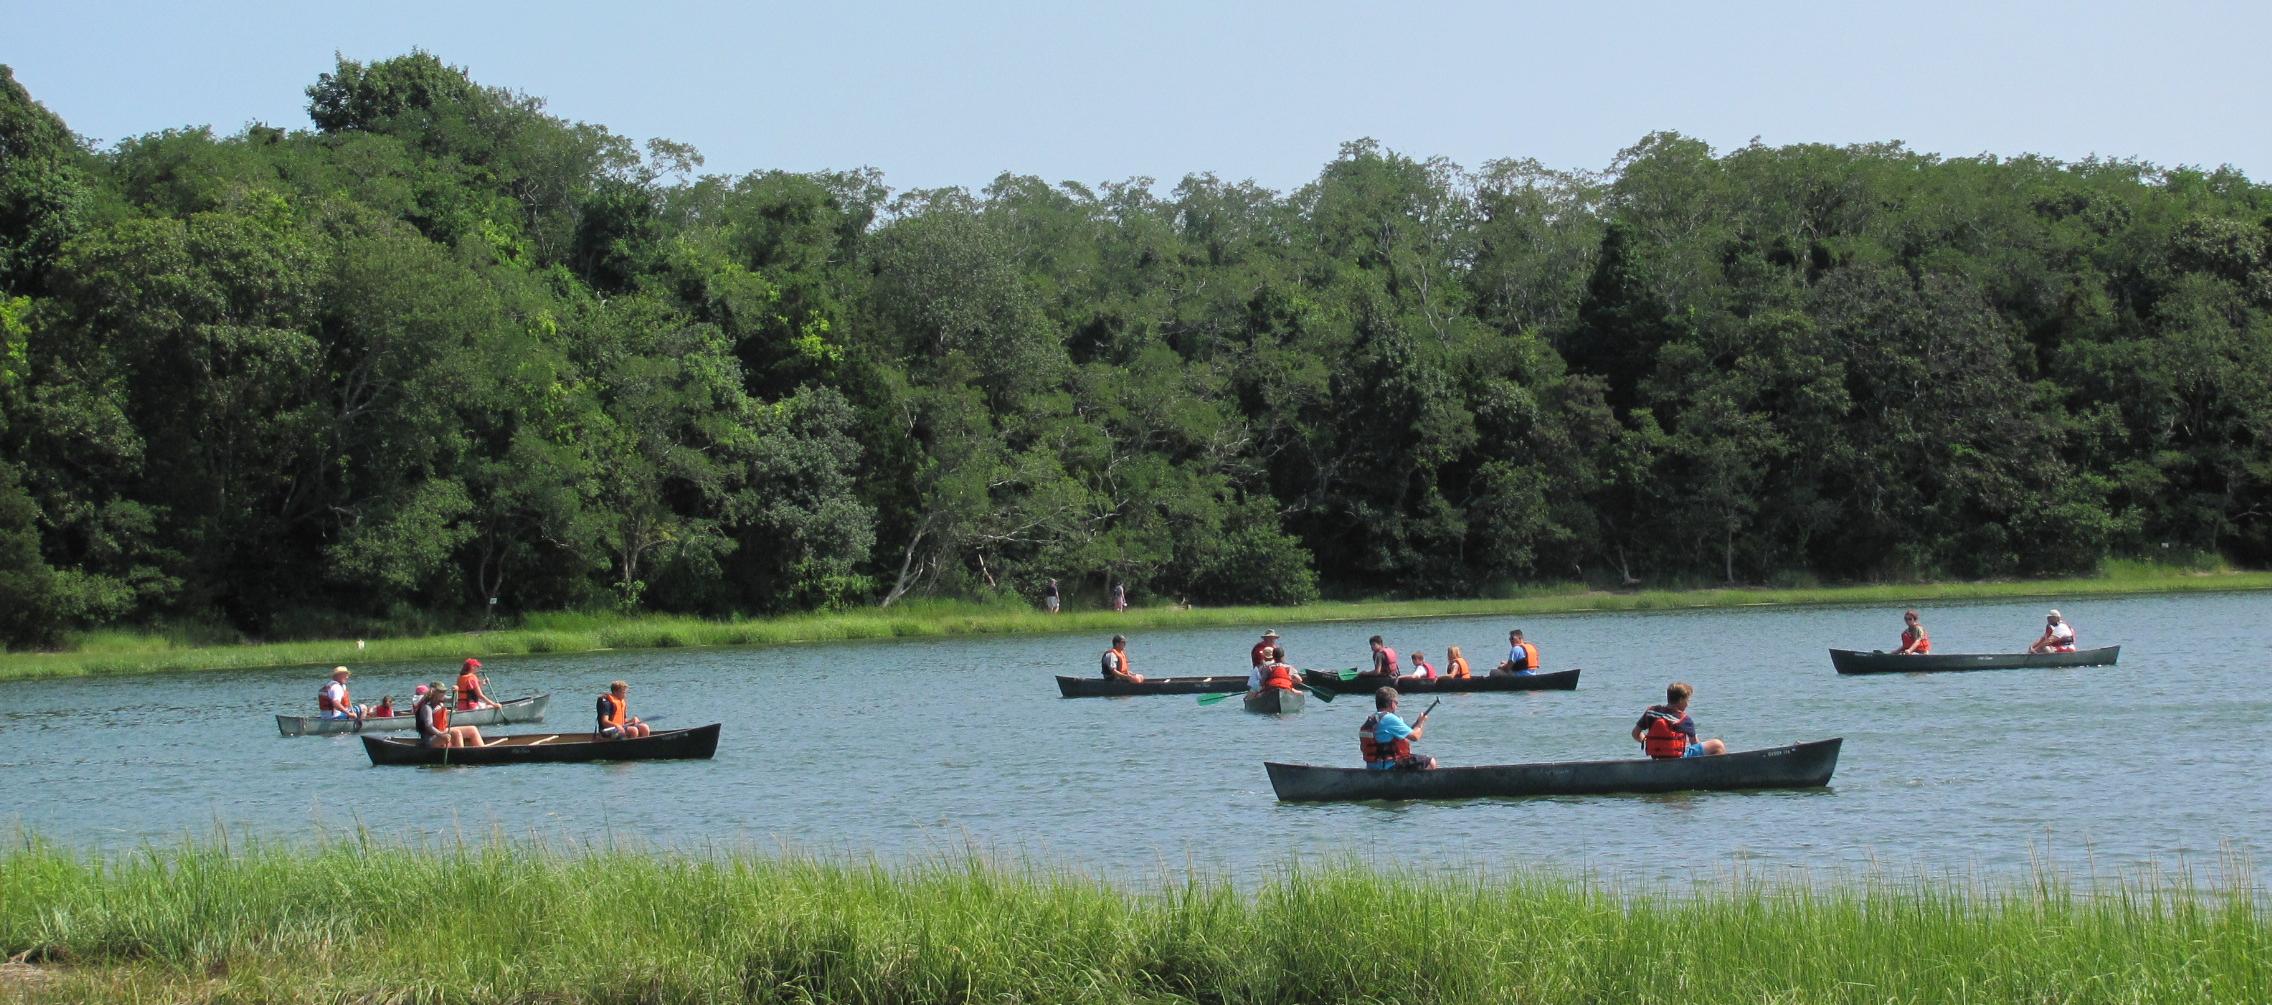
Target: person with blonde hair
{"x":1455,"y":665}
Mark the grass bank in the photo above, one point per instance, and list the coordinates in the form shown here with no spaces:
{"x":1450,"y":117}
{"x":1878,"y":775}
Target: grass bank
{"x":521,"y":923}
{"x":130,"y":652}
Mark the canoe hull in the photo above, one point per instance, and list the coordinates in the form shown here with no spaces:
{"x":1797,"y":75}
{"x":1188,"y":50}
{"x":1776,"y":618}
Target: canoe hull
{"x":1800,"y":765}
{"x":696,"y":743}
{"x":1271,"y":701}
{"x":1098,"y":687}
{"x":1851,"y":662}
{"x":529,"y":709}
{"x":1559,"y":680}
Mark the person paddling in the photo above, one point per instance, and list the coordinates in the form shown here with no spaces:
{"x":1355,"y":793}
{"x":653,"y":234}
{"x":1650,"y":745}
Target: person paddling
{"x":2058,"y":636}
{"x":615,"y":719}
{"x":471,"y":693}
{"x":1914,"y":641}
{"x":1273,"y":674}
{"x":1115,"y":663}
{"x":434,"y":729}
{"x":333,"y":701}
{"x":1665,"y":731}
{"x":1385,"y":741}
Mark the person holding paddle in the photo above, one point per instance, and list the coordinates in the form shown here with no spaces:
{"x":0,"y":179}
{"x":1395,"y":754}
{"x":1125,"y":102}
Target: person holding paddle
{"x":1385,"y":740}
{"x":471,"y":693}
{"x":434,"y":729}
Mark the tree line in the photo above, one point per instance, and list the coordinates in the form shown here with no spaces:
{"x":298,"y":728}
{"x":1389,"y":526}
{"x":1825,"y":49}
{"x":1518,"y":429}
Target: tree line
{"x":443,"y":347}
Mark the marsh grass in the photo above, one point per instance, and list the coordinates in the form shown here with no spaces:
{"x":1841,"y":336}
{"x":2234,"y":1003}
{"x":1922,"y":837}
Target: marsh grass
{"x":520,"y":922}
{"x":128,"y":652}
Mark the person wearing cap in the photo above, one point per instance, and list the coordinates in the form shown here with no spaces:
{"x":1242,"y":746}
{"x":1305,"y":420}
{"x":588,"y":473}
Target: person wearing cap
{"x":2058,"y":636}
{"x":433,"y":721}
{"x":615,"y":719}
{"x":471,"y":694}
{"x":1261,"y":653}
{"x":333,"y":701}
{"x":1115,"y":662}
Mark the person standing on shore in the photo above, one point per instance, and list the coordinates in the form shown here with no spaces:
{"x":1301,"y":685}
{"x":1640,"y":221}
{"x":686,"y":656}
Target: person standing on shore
{"x":2058,"y":636}
{"x":333,"y":701}
{"x":1049,"y":598}
{"x":1115,"y":662}
{"x":1914,"y":641}
{"x":1119,"y":596}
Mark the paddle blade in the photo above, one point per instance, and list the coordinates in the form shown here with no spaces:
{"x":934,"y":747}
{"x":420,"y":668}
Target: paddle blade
{"x":1349,"y":674}
{"x":1210,"y":699}
{"x":1319,"y":693}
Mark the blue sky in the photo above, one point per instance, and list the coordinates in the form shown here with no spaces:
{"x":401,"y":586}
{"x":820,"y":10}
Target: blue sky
{"x":953,"y":94}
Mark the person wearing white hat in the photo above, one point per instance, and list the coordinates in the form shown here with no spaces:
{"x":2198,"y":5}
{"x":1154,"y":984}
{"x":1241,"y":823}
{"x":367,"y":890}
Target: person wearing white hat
{"x":2058,"y":636}
{"x":333,"y":701}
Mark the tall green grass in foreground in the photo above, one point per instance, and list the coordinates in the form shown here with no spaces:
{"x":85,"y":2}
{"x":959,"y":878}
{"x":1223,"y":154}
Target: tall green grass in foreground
{"x":508,"y":922}
{"x":130,"y":652}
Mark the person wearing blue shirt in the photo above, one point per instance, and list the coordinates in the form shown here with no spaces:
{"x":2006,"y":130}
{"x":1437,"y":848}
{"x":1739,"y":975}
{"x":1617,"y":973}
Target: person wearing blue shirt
{"x":1385,"y":740}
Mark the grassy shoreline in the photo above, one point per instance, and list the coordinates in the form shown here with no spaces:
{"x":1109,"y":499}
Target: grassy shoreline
{"x":125,"y":652}
{"x":522,"y":922}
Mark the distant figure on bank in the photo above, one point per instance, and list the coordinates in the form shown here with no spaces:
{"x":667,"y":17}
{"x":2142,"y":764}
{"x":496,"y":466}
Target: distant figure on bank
{"x":1665,"y":731}
{"x":1421,"y":668}
{"x":1049,"y":598}
{"x":1455,"y":665}
{"x":434,"y":729}
{"x":1115,"y":662}
{"x":1385,"y":741}
{"x":1914,"y":641}
{"x":2058,"y":636}
{"x":471,"y":693}
{"x":1119,"y":596}
{"x":1273,"y":674}
{"x":1262,"y":650}
{"x":1522,"y":657}
{"x":333,"y":701}
{"x":615,"y":719}
{"x":1384,"y":659}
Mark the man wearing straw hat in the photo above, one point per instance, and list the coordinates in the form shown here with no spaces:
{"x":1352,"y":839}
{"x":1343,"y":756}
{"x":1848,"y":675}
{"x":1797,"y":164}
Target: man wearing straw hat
{"x":333,"y":701}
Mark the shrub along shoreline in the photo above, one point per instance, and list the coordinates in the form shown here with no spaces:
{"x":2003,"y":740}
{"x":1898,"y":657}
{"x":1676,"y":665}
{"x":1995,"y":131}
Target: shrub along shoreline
{"x":522,"y":922}
{"x":113,"y":652}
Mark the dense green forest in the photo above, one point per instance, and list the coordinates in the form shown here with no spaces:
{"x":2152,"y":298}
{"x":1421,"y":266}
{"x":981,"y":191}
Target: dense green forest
{"x":444,"y":347}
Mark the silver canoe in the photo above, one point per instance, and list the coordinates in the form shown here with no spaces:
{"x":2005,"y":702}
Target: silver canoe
{"x":529,"y":709}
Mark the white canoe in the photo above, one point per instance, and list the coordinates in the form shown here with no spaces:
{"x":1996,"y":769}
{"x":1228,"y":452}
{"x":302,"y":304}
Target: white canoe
{"x":529,"y":709}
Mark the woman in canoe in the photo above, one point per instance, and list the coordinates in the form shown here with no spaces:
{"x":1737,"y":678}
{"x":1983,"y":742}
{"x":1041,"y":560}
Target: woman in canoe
{"x":1914,"y":641}
{"x":1455,"y":665}
{"x":473,"y":691}
{"x":434,"y":727}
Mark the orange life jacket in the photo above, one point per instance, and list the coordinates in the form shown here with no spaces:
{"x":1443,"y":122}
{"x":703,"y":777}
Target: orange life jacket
{"x":324,"y":702}
{"x":1917,"y":635}
{"x":1664,"y":739}
{"x":616,"y":707}
{"x":1106,"y":663}
{"x":433,"y":718}
{"x":469,"y":684}
{"x":1373,"y":750}
{"x":1277,"y":675}
{"x":1530,"y":655}
{"x":1457,"y":668}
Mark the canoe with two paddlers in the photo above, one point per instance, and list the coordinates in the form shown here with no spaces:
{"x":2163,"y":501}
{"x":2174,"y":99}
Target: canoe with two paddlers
{"x":695,"y":742}
{"x":529,"y":709}
{"x":1799,"y":765}
{"x":1559,"y":680}
{"x":1851,"y":661}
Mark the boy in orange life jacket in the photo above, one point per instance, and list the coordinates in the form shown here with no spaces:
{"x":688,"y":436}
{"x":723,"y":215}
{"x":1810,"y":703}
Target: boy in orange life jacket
{"x":615,"y":719}
{"x":1665,"y":731}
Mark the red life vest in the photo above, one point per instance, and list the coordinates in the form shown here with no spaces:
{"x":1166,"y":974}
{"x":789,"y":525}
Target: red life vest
{"x":1277,"y":675}
{"x":433,"y":718}
{"x":324,"y":702}
{"x":1422,"y":668}
{"x":1261,"y":653}
{"x":616,"y":707}
{"x":1530,"y":655}
{"x":384,"y":709}
{"x":1373,"y":750}
{"x":1917,"y":635}
{"x":1664,"y":739}
{"x":1386,"y":658}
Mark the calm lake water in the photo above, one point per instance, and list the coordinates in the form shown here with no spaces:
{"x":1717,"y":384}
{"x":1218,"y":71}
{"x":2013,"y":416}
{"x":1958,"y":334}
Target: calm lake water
{"x":913,"y":749}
